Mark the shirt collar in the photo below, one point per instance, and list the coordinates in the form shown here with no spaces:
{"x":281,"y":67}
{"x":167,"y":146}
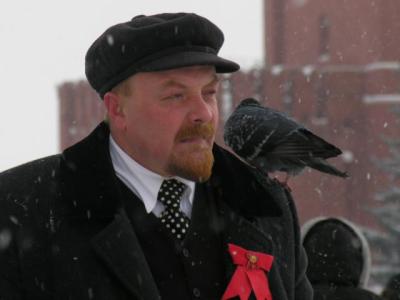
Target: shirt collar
{"x":141,"y":180}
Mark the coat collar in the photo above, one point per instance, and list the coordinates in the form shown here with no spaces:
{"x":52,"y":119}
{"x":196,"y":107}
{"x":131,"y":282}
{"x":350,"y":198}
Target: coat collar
{"x":244,"y":188}
{"x":88,"y":177}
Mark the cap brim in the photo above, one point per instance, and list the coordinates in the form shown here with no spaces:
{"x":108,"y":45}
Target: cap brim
{"x":187,"y":59}
{"x":173,"y":61}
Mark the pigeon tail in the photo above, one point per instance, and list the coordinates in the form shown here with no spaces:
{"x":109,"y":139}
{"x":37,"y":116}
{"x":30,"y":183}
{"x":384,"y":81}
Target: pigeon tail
{"x":322,"y":166}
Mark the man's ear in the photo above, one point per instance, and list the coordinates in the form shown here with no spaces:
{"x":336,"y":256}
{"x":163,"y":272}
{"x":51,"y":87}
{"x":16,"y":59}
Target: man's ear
{"x":115,"y":111}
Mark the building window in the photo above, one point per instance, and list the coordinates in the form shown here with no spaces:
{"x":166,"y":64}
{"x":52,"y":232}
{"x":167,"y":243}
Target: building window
{"x":288,"y":96}
{"x":321,"y":105}
{"x":324,"y":36}
{"x":226,"y":107}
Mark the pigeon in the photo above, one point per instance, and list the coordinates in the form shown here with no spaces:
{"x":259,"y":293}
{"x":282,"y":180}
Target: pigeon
{"x":271,"y":141}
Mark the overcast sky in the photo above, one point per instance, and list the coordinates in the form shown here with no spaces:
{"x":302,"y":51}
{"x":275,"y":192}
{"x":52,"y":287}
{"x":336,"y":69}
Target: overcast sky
{"x":43,"y":43}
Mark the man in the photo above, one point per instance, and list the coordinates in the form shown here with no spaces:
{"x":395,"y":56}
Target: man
{"x":147,"y":206}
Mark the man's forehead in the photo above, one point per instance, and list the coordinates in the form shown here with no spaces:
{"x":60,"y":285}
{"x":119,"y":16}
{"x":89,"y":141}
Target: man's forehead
{"x":206,"y":74}
{"x":209,"y":80}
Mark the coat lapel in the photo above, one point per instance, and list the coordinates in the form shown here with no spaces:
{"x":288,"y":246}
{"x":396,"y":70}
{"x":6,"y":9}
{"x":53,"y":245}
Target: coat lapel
{"x":249,"y":209}
{"x":118,"y":246}
{"x":90,"y":184}
{"x":246,"y":234}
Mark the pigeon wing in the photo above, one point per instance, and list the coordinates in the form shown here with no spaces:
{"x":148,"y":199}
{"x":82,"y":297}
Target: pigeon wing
{"x":303,"y":148}
{"x":323,"y":166}
{"x":320,"y":147}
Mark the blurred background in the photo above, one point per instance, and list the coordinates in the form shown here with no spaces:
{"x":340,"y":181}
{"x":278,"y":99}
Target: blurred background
{"x":332,"y":65}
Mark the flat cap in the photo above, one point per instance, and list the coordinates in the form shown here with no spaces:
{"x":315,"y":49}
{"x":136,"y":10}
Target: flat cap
{"x":154,"y":43}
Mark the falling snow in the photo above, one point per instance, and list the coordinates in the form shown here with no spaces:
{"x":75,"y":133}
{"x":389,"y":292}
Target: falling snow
{"x":90,"y":293}
{"x":14,"y":220}
{"x":5,"y":238}
{"x":110,"y":40}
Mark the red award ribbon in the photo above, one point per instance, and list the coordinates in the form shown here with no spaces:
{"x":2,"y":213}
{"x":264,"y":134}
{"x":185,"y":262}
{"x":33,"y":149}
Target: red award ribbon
{"x":249,"y":275}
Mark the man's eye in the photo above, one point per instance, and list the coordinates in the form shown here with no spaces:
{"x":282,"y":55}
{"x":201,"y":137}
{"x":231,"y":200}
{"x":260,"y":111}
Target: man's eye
{"x":210,"y":93}
{"x":175,"y":97}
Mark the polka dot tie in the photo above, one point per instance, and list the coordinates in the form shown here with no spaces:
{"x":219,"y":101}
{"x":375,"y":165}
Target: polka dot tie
{"x":172,"y":217}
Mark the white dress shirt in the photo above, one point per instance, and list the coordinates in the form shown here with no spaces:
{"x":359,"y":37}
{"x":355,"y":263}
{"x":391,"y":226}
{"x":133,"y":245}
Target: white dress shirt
{"x":145,"y":183}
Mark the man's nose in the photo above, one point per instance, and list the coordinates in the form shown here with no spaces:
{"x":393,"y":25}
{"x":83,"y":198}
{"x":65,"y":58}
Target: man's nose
{"x":202,"y":111}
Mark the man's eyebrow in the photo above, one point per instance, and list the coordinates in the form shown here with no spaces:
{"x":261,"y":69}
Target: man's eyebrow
{"x":173,"y":83}
{"x":215,"y":79}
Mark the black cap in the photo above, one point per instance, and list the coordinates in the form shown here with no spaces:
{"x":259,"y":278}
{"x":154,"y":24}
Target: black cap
{"x":154,"y":43}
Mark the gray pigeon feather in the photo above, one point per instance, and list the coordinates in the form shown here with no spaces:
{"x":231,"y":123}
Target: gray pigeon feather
{"x":271,"y":141}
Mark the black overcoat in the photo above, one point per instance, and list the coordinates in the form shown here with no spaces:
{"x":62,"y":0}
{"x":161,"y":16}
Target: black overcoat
{"x":332,"y":292}
{"x":64,"y":233}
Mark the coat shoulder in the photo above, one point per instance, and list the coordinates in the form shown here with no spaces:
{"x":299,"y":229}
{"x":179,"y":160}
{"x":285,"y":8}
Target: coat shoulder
{"x":29,"y":173}
{"x":29,"y":185}
{"x":250,"y":191}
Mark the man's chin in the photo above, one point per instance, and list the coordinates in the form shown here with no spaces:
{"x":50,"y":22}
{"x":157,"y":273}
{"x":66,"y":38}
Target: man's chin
{"x":196,"y":166}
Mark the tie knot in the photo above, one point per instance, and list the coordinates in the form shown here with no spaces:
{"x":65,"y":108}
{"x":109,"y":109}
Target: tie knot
{"x":171,"y":192}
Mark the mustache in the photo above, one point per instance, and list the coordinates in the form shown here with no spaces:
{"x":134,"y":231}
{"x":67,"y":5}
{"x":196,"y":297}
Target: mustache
{"x":205,"y":131}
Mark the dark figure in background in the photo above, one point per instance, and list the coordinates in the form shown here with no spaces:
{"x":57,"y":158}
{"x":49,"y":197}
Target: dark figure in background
{"x":392,"y":289}
{"x":338,"y":259}
{"x":147,"y":206}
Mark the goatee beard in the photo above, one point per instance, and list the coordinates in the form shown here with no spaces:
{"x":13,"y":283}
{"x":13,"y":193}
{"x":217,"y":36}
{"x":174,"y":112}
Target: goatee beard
{"x":197,"y":169}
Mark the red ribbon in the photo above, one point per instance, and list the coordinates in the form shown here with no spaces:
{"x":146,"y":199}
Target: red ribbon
{"x":249,"y":275}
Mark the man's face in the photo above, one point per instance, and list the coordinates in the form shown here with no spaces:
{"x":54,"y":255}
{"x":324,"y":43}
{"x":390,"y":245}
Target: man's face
{"x":170,"y":119}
